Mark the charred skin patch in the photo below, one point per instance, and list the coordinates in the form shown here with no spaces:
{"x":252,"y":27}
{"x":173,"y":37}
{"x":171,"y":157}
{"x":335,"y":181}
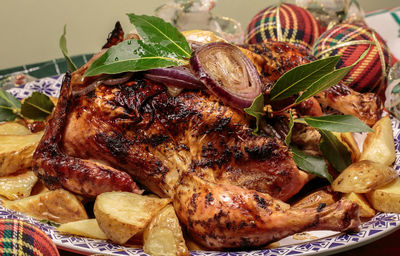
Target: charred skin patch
{"x":260,"y":201}
{"x":116,"y":144}
{"x":263,"y":152}
{"x":209,"y":199}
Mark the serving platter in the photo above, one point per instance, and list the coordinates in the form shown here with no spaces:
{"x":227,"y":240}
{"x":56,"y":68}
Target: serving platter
{"x":315,"y":242}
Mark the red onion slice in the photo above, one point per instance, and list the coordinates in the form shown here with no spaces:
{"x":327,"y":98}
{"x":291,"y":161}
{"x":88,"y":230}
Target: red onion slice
{"x":227,"y":72}
{"x":175,"y":76}
{"x":114,"y":80}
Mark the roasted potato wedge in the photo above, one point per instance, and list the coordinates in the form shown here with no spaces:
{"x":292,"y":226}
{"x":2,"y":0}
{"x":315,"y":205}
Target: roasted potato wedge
{"x":387,"y":198}
{"x":365,"y":210}
{"x":86,"y":228}
{"x":363,"y":176}
{"x":17,"y":186}
{"x":16,"y":152}
{"x":13,"y":128}
{"x":314,"y":199}
{"x":57,"y":205}
{"x":163,"y":236}
{"x":379,"y":146}
{"x":122,"y":214}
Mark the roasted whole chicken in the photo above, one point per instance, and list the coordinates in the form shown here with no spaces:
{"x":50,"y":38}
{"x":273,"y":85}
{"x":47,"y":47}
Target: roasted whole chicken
{"x":228,"y":186}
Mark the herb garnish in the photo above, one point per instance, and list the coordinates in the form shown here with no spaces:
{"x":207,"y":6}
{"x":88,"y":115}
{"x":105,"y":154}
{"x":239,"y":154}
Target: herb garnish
{"x":334,"y":150}
{"x":162,"y":45}
{"x":49,"y":222}
{"x":311,"y":164}
{"x":36,"y":107}
{"x":63,"y":46}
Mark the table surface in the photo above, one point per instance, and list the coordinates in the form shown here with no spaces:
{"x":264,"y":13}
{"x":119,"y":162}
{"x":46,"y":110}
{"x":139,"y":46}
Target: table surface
{"x":387,"y":246}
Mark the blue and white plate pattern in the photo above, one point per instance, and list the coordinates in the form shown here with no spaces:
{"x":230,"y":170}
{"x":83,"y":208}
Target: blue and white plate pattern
{"x":323,"y":243}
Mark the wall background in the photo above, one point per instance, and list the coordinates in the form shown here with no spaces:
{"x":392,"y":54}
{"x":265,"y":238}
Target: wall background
{"x":30,"y":30}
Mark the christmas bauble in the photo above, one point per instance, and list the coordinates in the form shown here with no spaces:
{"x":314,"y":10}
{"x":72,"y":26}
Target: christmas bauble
{"x":350,"y":41}
{"x":284,"y":23}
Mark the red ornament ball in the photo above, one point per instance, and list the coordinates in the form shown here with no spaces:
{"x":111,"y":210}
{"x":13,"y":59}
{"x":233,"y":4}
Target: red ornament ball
{"x":350,"y":41}
{"x":285,"y":23}
{"x":21,"y":238}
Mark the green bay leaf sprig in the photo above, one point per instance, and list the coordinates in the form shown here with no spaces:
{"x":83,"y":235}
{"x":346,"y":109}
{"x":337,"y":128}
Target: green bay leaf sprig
{"x":161,"y":45}
{"x":308,"y":79}
{"x":301,"y":77}
{"x":36,"y":107}
{"x":63,"y":46}
{"x":311,"y":164}
{"x":337,"y":123}
{"x":9,"y":106}
{"x":334,"y":151}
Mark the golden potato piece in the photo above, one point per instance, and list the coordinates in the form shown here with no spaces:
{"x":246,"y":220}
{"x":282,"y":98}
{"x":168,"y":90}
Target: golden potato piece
{"x":122,"y":214}
{"x":348,"y":140}
{"x":16,"y":152}
{"x":363,"y":176}
{"x":17,"y":186}
{"x":365,"y":210}
{"x":13,"y":128}
{"x":86,"y":228}
{"x":163,"y":236}
{"x":379,"y":146}
{"x":387,"y":198}
{"x":57,"y":205}
{"x":314,"y":199}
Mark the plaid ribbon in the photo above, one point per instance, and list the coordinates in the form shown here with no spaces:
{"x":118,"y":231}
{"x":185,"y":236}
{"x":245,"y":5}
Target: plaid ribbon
{"x":284,"y":23}
{"x":20,"y":238}
{"x":350,"y":41}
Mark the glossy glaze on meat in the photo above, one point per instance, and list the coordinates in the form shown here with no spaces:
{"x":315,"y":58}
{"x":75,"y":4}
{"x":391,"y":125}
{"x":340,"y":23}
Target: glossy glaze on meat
{"x":221,"y":216}
{"x":58,"y":169}
{"x":225,"y":182}
{"x":139,"y":128}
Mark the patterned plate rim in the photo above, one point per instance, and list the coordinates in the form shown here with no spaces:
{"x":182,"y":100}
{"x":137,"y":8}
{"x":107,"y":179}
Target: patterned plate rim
{"x":381,"y":225}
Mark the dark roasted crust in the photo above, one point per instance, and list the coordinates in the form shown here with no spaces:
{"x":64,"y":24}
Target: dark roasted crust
{"x":222,"y":216}
{"x":137,"y":127}
{"x":57,"y":169}
{"x":275,"y":59}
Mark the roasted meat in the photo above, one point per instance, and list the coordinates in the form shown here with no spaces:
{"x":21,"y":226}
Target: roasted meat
{"x":139,"y":128}
{"x":225,"y":182}
{"x":223,"y":216}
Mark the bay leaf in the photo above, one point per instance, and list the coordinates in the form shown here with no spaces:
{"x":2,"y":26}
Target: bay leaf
{"x":311,"y":164}
{"x":338,"y":123}
{"x":63,"y":46}
{"x":9,"y":106}
{"x":288,"y":137}
{"x":155,"y":30}
{"x":334,"y":150}
{"x":134,"y":55}
{"x":37,"y":107}
{"x":256,"y":110}
{"x":301,"y":77}
{"x":328,"y":80}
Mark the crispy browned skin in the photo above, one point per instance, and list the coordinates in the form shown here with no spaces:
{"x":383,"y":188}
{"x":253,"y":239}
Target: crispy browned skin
{"x":137,"y":127}
{"x":230,"y":177}
{"x":81,"y":176}
{"x":366,"y":106}
{"x":221,"y":216}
